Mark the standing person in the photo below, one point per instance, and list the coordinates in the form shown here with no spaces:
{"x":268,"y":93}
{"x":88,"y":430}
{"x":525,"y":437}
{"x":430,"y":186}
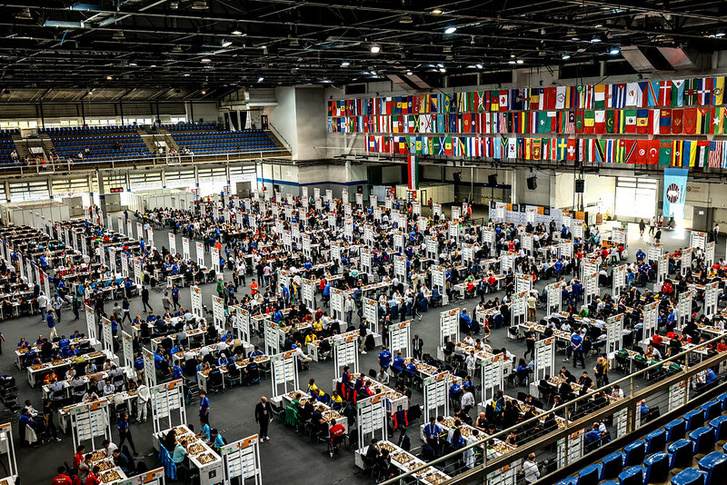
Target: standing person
{"x":166,"y":302}
{"x":204,"y":408}
{"x":57,"y":303}
{"x":78,"y":458}
{"x":175,"y":296}
{"x":125,"y":432}
{"x":142,"y":398}
{"x":349,"y":310}
{"x":652,"y":225}
{"x":76,"y":306}
{"x":530,"y":469}
{"x":48,"y":419}
{"x":263,"y":416}
{"x":715,"y":232}
{"x":417,"y":346}
{"x":126,"y":310}
{"x":530,"y":342}
{"x":471,"y":363}
{"x":145,"y":299}
{"x":43,"y":305}
{"x":600,"y":370}
{"x":657,"y":237}
{"x":2,"y":339}
{"x":642,"y":227}
{"x":532,"y":308}
{"x":51,"y":321}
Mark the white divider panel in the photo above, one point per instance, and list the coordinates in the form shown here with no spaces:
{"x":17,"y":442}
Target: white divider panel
{"x":507,"y":262}
{"x":565,"y":248}
{"x":359,"y":199}
{"x":686,"y":260}
{"x":388,"y":203}
{"x":108,"y":337}
{"x":436,"y":395}
{"x":524,"y":282}
{"x":46,"y":283}
{"x":172,"y":243}
{"x":127,"y":346}
{"x":371,"y":420}
{"x":91,"y":327}
{"x":453,"y":231}
{"x":654,"y":251}
{"x":422,"y":222}
{"x":185,"y":249}
{"x":101,"y":253}
{"x":614,"y":333}
{"x":139,"y":231}
{"x":518,"y":308}
{"x":677,"y":395}
{"x":590,"y":284}
{"x":544,"y":358}
{"x":527,"y":243}
{"x":112,"y":259}
{"x":589,"y":266}
{"x":138,"y":273}
{"x":306,"y":246}
{"x":196,"y":296}
{"x":698,"y":240}
{"x":218,"y":313}
{"x":200,"y":253}
{"x":620,"y":422}
{"x":124,"y":265}
{"x":366,"y":261}
{"x":400,"y":269}
{"x":373,"y":200}
{"x":438,"y":281}
{"x":129,"y":229}
{"x":571,"y":451}
{"x":492,"y":376}
{"x":336,"y":252}
{"x":215,"y":255}
{"x":449,"y":326}
{"x":488,"y":238}
{"x":619,"y":279}
{"x":8,"y":448}
{"x":308,"y":291}
{"x":709,"y":254}
{"x":348,"y":229}
{"x":150,"y":373}
{"x":241,"y":461}
{"x":437,"y":209}
{"x":271,"y":338}
{"x":651,"y":318}
{"x":150,"y":237}
{"x":554,"y":292}
{"x":378,"y":213}
{"x":711,"y":295}
{"x":284,"y":373}
{"x":167,"y":405}
{"x":21,"y":266}
{"x":684,"y":308}
{"x":337,"y":298}
{"x":30,"y":273}
{"x":576,"y":229}
{"x":371,"y":313}
{"x":432,"y":248}
{"x":242,"y":324}
{"x":620,"y":235}
{"x":398,"y":242}
{"x":399,"y":337}
{"x":345,"y":353}
{"x":91,"y":422}
{"x":662,"y":271}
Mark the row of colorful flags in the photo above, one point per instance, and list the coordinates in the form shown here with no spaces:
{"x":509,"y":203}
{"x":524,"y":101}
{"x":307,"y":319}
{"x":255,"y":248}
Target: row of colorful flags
{"x":674,"y":93}
{"x":708,"y":120}
{"x":675,"y":153}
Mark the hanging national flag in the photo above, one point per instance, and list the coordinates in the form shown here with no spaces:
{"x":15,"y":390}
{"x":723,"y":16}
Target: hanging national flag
{"x":599,"y":96}
{"x":688,"y":150}
{"x":642,"y":121}
{"x":690,"y":121}
{"x":676,"y":153}
{"x":718,"y":121}
{"x":704,"y":93}
{"x":611,"y":125}
{"x":588,"y":122}
{"x":715,"y":154}
{"x":691,"y":91}
{"x":599,"y":121}
{"x":654,"y":121}
{"x":705,"y":116}
{"x":664,"y":93}
{"x":665,"y":122}
{"x":413,"y":172}
{"x":610,"y":151}
{"x":702,"y":154}
{"x":570,"y":123}
{"x":633,"y":95}
{"x":655,"y":152}
{"x":618,"y":96}
{"x":536,"y":150}
{"x":561,"y":149}
{"x":571,"y":150}
{"x":652,"y":90}
{"x":677,"y":121}
{"x":642,"y":150}
{"x":504,"y":100}
{"x":599,"y":152}
{"x":718,"y":90}
{"x":561,"y":97}
{"x":677,"y":92}
{"x":626,"y":152}
{"x":630,"y":120}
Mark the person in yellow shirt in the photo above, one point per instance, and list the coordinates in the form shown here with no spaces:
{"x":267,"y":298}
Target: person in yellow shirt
{"x":318,"y":326}
{"x":312,"y":388}
{"x":310,"y":338}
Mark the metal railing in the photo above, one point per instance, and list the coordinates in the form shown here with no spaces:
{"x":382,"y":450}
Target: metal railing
{"x":629,"y":402}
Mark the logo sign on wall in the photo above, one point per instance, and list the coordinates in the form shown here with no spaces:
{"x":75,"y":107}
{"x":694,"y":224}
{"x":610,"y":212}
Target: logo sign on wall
{"x":675,"y":191}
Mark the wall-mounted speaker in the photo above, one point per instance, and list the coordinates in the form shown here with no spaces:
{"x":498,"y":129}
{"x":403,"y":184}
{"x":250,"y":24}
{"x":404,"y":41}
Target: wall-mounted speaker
{"x":492,"y":179}
{"x":532,"y":182}
{"x":580,"y":186}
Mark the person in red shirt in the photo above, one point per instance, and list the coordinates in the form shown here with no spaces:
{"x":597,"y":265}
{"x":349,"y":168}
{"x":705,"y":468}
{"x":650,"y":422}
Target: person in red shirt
{"x":656,"y":339}
{"x":78,"y":457}
{"x":336,"y":432}
{"x":93,"y":478}
{"x":721,"y":346}
{"x":61,"y":478}
{"x":253,"y":287}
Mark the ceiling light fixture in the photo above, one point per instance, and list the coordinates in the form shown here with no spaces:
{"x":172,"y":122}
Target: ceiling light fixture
{"x":200,"y":5}
{"x":478,"y":66}
{"x":614,"y":51}
{"x":596,"y":39}
{"x":345,"y":64}
{"x":226,"y":43}
{"x":565,"y":57}
{"x":260,"y":79}
{"x":450,"y":30}
{"x":204,"y":92}
{"x":133,"y":64}
{"x":719,"y":34}
{"x":409,"y":73}
{"x":406,"y":19}
{"x":375,"y":49}
{"x":519,"y":61}
{"x":442,"y":70}
{"x":236,"y":32}
{"x":511,"y":61}
{"x":109,"y":78}
{"x":205,"y":60}
{"x":437,"y":11}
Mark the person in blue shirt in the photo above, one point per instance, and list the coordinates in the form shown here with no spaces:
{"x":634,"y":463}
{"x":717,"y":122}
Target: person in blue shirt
{"x":711,"y":376}
{"x":326,"y":293}
{"x":640,"y":255}
{"x":175,"y":297}
{"x":222,"y":360}
{"x":216,"y":440}
{"x":277,"y":315}
{"x":576,"y":349}
{"x":51,"y":321}
{"x":204,"y":408}
{"x":125,"y":432}
{"x":594,"y":434}
{"x":398,"y":364}
{"x":256,"y":353}
{"x":577,"y":288}
{"x":431,"y":434}
{"x":384,"y":358}
{"x":177,"y":372}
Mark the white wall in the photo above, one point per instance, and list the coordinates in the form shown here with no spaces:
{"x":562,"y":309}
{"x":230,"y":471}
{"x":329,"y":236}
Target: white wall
{"x":205,"y":110}
{"x":311,"y":120}
{"x":283,"y":117}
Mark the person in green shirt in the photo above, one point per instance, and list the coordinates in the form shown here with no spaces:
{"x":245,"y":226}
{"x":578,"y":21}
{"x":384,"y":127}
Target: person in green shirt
{"x":179,"y":453}
{"x":291,"y":411}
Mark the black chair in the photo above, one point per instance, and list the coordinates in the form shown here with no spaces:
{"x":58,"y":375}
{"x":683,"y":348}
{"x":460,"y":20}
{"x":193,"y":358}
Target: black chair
{"x":214,"y":381}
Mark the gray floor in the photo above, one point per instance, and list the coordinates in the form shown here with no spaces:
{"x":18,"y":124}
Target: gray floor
{"x":288,"y":457}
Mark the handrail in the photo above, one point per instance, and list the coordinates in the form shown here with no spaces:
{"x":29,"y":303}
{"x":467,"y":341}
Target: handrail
{"x":280,"y":137}
{"x":524,"y":450}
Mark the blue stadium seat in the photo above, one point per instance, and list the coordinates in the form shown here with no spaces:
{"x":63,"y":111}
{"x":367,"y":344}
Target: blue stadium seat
{"x":590,"y":475}
{"x":635,"y":453}
{"x":568,"y":481}
{"x":657,"y":467}
{"x":712,"y":409}
{"x":689,"y":476}
{"x":655,"y":441}
{"x":694,"y":419}
{"x":632,"y":476}
{"x":720,"y":428}
{"x":682,"y":453}
{"x":715,"y":464}
{"x":723,"y":399}
{"x":675,"y":430}
{"x":613,"y":465}
{"x":703,"y":439}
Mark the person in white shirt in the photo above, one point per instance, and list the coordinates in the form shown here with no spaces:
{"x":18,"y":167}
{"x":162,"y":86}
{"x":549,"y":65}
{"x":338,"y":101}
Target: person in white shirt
{"x":469,"y":340}
{"x":109,"y":447}
{"x":108,"y":388}
{"x":471,"y":363}
{"x":467,"y":402}
{"x":143,"y":395}
{"x":301,"y":355}
{"x":530,"y":469}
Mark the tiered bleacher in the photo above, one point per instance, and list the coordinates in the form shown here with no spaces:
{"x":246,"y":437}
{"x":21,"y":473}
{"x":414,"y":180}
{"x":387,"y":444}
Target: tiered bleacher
{"x":206,"y":138}
{"x":7,"y":145}
{"x":690,"y":450}
{"x":103,"y":142}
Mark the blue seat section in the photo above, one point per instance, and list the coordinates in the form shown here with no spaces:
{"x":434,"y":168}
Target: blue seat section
{"x":7,"y":145}
{"x":103,"y":143}
{"x":682,"y":453}
{"x":675,"y":430}
{"x":694,"y":419}
{"x":720,"y":428}
{"x":715,"y":464}
{"x":635,"y":453}
{"x":657,"y":467}
{"x":712,"y":409}
{"x":655,"y":441}
{"x":703,"y":439}
{"x":632,"y":476}
{"x":590,"y":475}
{"x":206,"y":138}
{"x":612,"y":465}
{"x":723,"y":399}
{"x":689,"y":476}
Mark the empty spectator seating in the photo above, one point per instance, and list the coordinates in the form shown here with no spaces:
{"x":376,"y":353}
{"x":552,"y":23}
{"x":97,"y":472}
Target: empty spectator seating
{"x":204,"y":138}
{"x":105,"y":142}
{"x":7,"y":145}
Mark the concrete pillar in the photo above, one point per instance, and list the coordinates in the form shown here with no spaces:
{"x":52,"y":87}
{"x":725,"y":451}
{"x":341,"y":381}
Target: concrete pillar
{"x":90,"y":187}
{"x":196,"y":178}
{"x":7,"y":190}
{"x":101,"y":192}
{"x":50,"y":188}
{"x":127,"y":178}
{"x":227,"y":172}
{"x":163,"y":174}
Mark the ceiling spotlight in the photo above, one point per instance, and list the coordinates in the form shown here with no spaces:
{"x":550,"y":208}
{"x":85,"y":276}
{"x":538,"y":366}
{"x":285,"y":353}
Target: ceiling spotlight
{"x":109,"y":78}
{"x":186,"y":74}
{"x":226,"y":43}
{"x":173,"y":5}
{"x":375,"y":49}
{"x":719,"y":34}
{"x":260,"y":79}
{"x":437,"y":11}
{"x":199,"y":5}
{"x":565,"y":57}
{"x":406,"y":19}
{"x":442,"y":69}
{"x":478,"y":66}
{"x":512,"y":56}
{"x":133,"y":64}
{"x":595,"y":39}
{"x":205,"y":60}
{"x":345,"y":64}
{"x":409,"y":73}
{"x":153,"y":65}
{"x":614,"y":51}
{"x":450,"y":30}
{"x":204,"y":92}
{"x":236,"y":32}
{"x":512,"y":61}
{"x":519,"y":61}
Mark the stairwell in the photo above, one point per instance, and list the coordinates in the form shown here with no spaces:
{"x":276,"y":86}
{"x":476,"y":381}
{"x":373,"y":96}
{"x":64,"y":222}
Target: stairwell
{"x":278,"y":139}
{"x":171,"y":143}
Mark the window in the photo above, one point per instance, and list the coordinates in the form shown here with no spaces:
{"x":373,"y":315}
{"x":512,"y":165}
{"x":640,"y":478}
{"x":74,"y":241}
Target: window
{"x":636,"y":197}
